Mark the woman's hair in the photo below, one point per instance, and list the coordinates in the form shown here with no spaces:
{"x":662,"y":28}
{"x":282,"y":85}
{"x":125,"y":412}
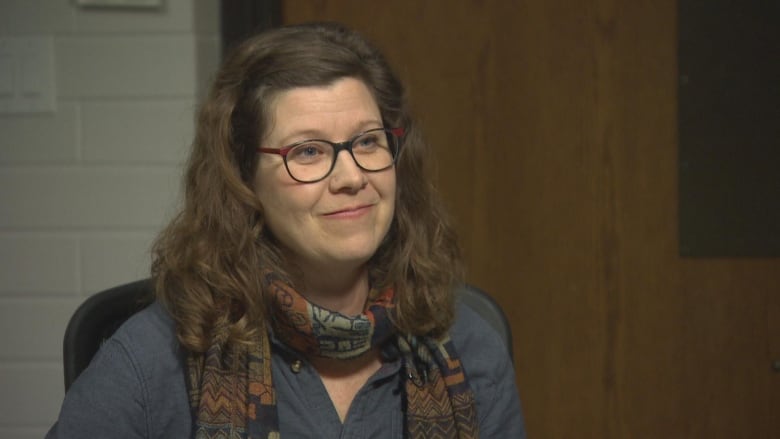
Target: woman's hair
{"x":208,"y":263}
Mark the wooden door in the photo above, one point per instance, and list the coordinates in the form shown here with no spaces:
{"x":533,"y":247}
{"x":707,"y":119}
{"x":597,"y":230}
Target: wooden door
{"x":554,"y":124}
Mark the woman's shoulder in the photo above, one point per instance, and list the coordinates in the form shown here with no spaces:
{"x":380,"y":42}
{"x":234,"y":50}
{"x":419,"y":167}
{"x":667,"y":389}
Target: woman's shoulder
{"x":133,"y":387}
{"x":490,"y":373}
{"x":476,"y":339}
{"x":148,"y":338}
{"x":150,"y":330}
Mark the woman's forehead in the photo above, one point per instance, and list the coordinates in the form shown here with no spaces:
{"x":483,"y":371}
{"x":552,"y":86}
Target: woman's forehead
{"x":337,"y":109}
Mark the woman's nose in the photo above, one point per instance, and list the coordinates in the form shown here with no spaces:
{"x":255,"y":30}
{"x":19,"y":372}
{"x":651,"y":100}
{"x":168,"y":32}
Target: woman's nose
{"x":346,"y":174}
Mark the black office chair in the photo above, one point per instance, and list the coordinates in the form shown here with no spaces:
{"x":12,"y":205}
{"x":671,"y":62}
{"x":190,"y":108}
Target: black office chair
{"x":102,"y":314}
{"x":95,"y":321}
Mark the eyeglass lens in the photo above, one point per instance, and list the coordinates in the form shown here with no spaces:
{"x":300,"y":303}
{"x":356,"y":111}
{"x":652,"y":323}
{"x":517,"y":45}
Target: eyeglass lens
{"x":312,"y":160}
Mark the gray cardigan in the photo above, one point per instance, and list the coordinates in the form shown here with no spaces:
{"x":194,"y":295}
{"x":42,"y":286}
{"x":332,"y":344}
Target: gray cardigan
{"x":135,"y":388}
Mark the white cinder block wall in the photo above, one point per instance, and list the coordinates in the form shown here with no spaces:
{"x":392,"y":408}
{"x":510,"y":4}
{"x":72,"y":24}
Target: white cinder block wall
{"x":84,"y":190}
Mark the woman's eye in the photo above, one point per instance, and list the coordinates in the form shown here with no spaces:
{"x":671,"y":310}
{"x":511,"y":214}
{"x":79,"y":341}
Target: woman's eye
{"x":367,"y":142}
{"x":306,"y":152}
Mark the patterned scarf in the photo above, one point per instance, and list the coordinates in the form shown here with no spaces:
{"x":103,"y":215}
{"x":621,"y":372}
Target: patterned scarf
{"x":232,"y":395}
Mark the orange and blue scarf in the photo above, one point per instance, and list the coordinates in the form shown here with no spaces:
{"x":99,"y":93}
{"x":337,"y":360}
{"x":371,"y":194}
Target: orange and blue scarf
{"x":231,"y":389}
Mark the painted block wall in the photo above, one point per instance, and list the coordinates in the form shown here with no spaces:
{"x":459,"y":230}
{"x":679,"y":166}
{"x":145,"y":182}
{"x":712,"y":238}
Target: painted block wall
{"x":85,"y":189}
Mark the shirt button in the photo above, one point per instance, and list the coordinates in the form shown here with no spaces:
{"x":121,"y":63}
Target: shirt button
{"x":295,"y":366}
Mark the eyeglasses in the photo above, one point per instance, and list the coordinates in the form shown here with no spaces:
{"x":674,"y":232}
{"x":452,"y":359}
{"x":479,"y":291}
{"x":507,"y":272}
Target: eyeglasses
{"x":309,"y":161}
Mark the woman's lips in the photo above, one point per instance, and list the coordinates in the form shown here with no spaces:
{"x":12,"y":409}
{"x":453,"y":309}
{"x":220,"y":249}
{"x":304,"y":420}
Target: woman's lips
{"x":349,"y":212}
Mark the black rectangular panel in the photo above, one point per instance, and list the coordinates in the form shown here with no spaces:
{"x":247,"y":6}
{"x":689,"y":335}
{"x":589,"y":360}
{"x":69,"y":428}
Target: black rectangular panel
{"x":729,"y":128}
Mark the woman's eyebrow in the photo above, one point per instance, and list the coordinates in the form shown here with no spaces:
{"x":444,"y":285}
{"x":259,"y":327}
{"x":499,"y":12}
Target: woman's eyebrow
{"x":313,"y":133}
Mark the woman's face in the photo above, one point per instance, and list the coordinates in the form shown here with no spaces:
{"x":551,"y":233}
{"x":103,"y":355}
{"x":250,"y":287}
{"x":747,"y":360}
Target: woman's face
{"x":336,"y":223}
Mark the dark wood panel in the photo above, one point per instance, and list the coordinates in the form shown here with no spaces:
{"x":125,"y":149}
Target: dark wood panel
{"x":554,"y":125}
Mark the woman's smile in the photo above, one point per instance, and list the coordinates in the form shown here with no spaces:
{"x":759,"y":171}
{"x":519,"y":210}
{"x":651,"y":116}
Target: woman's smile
{"x":350,"y":212}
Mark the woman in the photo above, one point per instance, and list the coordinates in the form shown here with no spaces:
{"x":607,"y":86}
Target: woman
{"x":306,"y":287}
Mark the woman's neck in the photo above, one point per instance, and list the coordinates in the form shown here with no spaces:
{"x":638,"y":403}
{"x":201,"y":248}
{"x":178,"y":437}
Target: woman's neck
{"x":341,"y":291}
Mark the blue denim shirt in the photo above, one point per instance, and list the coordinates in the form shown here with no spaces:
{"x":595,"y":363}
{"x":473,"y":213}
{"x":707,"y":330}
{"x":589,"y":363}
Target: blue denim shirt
{"x":135,"y":388}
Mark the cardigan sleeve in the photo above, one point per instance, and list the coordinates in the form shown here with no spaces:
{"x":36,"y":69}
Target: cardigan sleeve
{"x":109,"y":399}
{"x":491,"y":376}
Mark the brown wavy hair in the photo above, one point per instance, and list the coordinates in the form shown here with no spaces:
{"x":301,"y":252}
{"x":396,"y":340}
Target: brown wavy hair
{"x":208,"y":262}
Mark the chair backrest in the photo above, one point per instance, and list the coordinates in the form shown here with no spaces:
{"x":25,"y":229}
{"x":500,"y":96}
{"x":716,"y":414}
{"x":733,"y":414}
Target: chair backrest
{"x":490,"y":310}
{"x":102,"y":314}
{"x":96,"y":320}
